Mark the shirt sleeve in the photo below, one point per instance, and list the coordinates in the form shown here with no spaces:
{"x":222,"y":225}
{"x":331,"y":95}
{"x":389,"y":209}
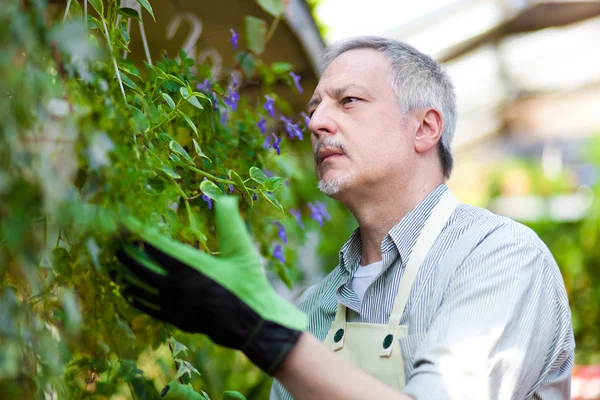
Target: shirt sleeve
{"x":503,"y":324}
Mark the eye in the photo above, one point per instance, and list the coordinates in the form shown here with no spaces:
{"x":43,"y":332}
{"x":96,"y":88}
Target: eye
{"x":349,"y":99}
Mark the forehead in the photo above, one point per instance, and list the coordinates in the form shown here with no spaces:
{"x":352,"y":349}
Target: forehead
{"x":364,"y":67}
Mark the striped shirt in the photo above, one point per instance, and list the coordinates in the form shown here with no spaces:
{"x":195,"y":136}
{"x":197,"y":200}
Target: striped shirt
{"x":488,"y":315}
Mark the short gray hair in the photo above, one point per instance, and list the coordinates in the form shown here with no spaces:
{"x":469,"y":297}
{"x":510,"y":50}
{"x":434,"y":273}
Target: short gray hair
{"x":416,"y":78}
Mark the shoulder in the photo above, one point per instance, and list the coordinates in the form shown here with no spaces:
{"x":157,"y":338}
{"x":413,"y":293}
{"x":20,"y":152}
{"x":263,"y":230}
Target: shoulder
{"x":501,"y":245}
{"x":490,"y":230}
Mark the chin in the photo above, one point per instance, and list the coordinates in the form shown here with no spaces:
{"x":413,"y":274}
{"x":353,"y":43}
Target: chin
{"x":334,"y":185}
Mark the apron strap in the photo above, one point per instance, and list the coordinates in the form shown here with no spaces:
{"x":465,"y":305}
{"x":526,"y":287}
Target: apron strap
{"x":430,"y":232}
{"x":338,"y":327}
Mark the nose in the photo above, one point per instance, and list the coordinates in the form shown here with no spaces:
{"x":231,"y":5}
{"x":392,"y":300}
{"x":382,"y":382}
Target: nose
{"x":322,"y":122}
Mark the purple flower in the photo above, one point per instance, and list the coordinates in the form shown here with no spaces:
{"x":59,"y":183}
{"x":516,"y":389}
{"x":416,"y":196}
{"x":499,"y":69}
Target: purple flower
{"x":215,"y":101}
{"x":234,"y":39}
{"x":234,"y":81}
{"x":281,"y":231}
{"x":262,"y":125}
{"x":269,"y":174}
{"x":232,"y":100}
{"x":205,"y":86}
{"x":306,"y":118}
{"x":208,"y":201}
{"x":231,"y":188}
{"x":269,"y":106}
{"x":278,"y":253}
{"x":270,"y":143}
{"x":276,"y":144}
{"x":298,"y":215}
{"x":318,"y":212}
{"x":296,"y":79}
{"x":255,"y":197}
{"x":223,"y":117}
{"x":292,"y":129}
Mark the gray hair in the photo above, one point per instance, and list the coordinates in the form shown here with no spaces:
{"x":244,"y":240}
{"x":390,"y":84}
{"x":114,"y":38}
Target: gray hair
{"x":417,"y":80}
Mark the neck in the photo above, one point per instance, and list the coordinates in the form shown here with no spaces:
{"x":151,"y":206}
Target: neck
{"x":378,"y":209}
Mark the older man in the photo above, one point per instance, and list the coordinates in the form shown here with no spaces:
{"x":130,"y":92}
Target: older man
{"x":431,"y":299}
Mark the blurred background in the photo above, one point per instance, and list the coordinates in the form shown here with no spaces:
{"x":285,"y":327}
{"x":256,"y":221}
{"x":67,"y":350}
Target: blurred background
{"x":527,"y":78}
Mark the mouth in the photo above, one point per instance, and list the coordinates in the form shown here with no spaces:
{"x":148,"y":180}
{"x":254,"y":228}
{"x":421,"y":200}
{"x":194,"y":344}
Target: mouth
{"x":329,"y":154}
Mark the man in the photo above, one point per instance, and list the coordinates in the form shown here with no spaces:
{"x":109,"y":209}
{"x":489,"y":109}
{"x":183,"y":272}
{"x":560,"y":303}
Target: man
{"x":431,"y":299}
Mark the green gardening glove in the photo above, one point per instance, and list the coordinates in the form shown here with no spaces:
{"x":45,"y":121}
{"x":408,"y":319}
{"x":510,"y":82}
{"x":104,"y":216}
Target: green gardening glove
{"x":227,"y":298}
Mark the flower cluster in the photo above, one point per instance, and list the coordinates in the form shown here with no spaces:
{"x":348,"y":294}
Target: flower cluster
{"x":318,"y":212}
{"x":234,"y":39}
{"x":277,"y":249}
{"x":292,"y":129}
{"x":273,"y":142}
{"x":296,"y":79}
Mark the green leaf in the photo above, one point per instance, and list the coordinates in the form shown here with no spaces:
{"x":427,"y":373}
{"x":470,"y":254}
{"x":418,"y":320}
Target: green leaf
{"x":184,"y":368}
{"x":160,"y":74}
{"x":169,"y":171}
{"x":148,"y":7}
{"x":239,"y":183}
{"x":246,"y":61}
{"x":256,"y":31}
{"x":130,"y":69}
{"x":273,"y":200}
{"x":193,"y":100}
{"x":164,"y":137}
{"x":175,"y":79}
{"x":129,"y":13}
{"x":61,"y":262}
{"x":273,"y":183}
{"x":273,"y":7}
{"x":257,"y":175}
{"x":188,"y":120}
{"x":184,"y":92}
{"x":177,"y":148}
{"x":234,"y":394}
{"x":199,"y":151}
{"x":177,"y":347}
{"x":281,"y":68}
{"x":210,"y":189}
{"x":128,"y":82}
{"x":191,"y":218}
{"x":98,"y":6}
{"x":139,"y":118}
{"x":169,"y":100}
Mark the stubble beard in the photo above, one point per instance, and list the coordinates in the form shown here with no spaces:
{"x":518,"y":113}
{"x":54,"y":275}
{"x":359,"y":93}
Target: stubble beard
{"x":335,"y":185}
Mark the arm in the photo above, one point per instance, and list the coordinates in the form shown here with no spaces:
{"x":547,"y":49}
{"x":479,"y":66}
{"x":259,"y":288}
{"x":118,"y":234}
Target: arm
{"x":312,"y":371}
{"x":503,"y":322}
{"x":233,"y":303}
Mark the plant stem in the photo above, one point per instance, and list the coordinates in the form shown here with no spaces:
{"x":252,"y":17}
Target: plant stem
{"x":114,"y":342}
{"x":272,"y":29}
{"x":206,"y":174}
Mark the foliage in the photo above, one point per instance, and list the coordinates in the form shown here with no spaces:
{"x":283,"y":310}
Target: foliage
{"x":574,"y":244}
{"x":87,"y":137}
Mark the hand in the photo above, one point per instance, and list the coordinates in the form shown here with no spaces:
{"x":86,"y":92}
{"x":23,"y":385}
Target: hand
{"x":227,"y":298}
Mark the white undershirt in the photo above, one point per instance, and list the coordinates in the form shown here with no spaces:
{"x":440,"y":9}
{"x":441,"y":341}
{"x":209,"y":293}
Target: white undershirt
{"x":363,"y":277}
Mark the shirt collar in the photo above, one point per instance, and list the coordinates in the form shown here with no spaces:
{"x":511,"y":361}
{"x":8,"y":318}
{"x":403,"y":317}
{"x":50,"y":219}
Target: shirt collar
{"x":401,"y":237}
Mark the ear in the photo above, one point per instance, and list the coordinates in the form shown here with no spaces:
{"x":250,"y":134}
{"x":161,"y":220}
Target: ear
{"x":430,"y":129}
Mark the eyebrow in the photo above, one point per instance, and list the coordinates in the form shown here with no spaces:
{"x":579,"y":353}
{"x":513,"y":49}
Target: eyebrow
{"x":337,"y":92}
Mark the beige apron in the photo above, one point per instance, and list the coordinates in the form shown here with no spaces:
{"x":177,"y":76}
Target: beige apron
{"x":375,"y":348}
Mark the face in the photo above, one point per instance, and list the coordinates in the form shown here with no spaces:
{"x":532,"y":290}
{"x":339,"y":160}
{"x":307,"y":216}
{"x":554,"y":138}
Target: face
{"x":357,"y":125}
